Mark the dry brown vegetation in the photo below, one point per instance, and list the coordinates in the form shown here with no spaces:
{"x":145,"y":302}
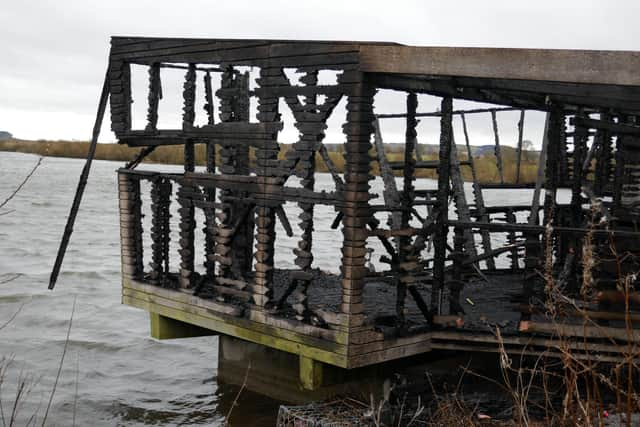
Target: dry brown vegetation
{"x":486,"y":169}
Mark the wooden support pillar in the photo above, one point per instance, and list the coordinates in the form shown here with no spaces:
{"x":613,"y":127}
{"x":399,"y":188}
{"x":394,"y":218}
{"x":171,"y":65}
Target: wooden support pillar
{"x":555,"y":148}
{"x":265,"y":218}
{"x":186,"y":210}
{"x":166,"y":328}
{"x":209,"y":216}
{"x":406,"y":254}
{"x":575,"y":243}
{"x":242,"y":244}
{"x":441,"y":231}
{"x":310,"y":373}
{"x":305,"y":152}
{"x":160,"y":232}
{"x":130,"y":226}
{"x":357,"y":213}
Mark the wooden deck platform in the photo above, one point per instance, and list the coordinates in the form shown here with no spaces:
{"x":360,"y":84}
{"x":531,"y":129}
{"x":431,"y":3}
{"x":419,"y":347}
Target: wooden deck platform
{"x":488,"y":305}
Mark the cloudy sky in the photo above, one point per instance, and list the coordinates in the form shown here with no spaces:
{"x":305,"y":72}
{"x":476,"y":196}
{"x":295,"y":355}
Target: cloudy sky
{"x":53,"y":53}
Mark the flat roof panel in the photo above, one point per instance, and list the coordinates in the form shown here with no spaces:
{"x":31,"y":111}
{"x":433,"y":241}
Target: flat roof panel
{"x":554,"y":65}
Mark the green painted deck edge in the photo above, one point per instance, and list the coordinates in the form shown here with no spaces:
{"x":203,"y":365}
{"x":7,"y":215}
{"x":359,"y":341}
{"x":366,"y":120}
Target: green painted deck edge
{"x":166,"y":328}
{"x":222,"y":326}
{"x":310,"y":373}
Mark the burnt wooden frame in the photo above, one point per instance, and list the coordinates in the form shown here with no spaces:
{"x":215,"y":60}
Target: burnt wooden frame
{"x":584,"y":83}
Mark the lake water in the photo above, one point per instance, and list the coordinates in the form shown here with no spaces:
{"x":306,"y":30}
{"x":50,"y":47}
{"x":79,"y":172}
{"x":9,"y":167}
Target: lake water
{"x":113,"y":373}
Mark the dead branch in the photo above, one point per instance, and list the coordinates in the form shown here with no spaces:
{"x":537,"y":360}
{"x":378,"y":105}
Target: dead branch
{"x":24,"y":181}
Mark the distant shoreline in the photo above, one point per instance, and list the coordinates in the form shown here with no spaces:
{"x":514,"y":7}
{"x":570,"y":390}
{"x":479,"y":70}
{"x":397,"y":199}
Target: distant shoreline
{"x":485,"y":166}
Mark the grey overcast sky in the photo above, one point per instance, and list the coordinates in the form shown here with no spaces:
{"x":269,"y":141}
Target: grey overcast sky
{"x":53,"y":53}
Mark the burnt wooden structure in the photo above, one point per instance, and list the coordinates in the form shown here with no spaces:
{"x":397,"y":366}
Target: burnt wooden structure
{"x":443,"y":288}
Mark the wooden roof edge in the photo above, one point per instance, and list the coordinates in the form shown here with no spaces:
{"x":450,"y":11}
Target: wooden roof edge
{"x":554,"y":65}
{"x":138,"y":39}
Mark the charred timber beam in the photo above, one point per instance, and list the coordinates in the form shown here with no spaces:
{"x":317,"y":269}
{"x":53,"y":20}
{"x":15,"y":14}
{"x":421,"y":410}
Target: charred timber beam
{"x":209,"y":213}
{"x":406,"y":255}
{"x":611,"y":127}
{"x":445,"y":88}
{"x":539,"y":229}
{"x":477,"y":194}
{"x":454,"y":112}
{"x":519,"y":145}
{"x":440,"y":240}
{"x":497,"y":149}
{"x":527,"y":95}
{"x":140,"y":157}
{"x":531,"y":65}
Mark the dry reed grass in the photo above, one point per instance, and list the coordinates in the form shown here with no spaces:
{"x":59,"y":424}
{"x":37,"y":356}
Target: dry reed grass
{"x":485,"y":166}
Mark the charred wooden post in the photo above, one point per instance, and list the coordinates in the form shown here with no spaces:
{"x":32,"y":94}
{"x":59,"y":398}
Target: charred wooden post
{"x":478,"y":197}
{"x":223,"y":234}
{"x":242,"y":252}
{"x":311,"y":132}
{"x":440,"y":240}
{"x":130,"y":226}
{"x":186,"y":209}
{"x":406,"y":253}
{"x":357,"y":214}
{"x":120,"y":95}
{"x":604,"y":157}
{"x":619,"y":162}
{"x":209,"y":215}
{"x":160,"y":232}
{"x":460,"y":198}
{"x":265,"y":214}
{"x":577,"y":216}
{"x":456,"y":283}
{"x":155,"y":95}
{"x":209,"y":106}
{"x":510,"y":216}
{"x":519,"y":146}
{"x":498,"y":150}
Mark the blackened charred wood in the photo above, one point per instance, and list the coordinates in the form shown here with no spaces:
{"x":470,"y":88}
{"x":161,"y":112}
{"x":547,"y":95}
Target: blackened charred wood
{"x":498,"y":150}
{"x":82,"y":183}
{"x":208,"y":94}
{"x":478,"y":197}
{"x":440,"y":240}
{"x":155,"y":95}
{"x":519,"y":146}
{"x":140,"y":157}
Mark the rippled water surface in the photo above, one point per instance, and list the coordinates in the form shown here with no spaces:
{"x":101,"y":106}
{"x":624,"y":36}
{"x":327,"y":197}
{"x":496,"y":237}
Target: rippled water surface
{"x":113,"y":373}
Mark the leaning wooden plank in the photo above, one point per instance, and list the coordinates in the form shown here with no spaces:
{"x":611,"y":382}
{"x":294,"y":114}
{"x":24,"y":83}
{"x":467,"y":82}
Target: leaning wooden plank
{"x":82,"y":183}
